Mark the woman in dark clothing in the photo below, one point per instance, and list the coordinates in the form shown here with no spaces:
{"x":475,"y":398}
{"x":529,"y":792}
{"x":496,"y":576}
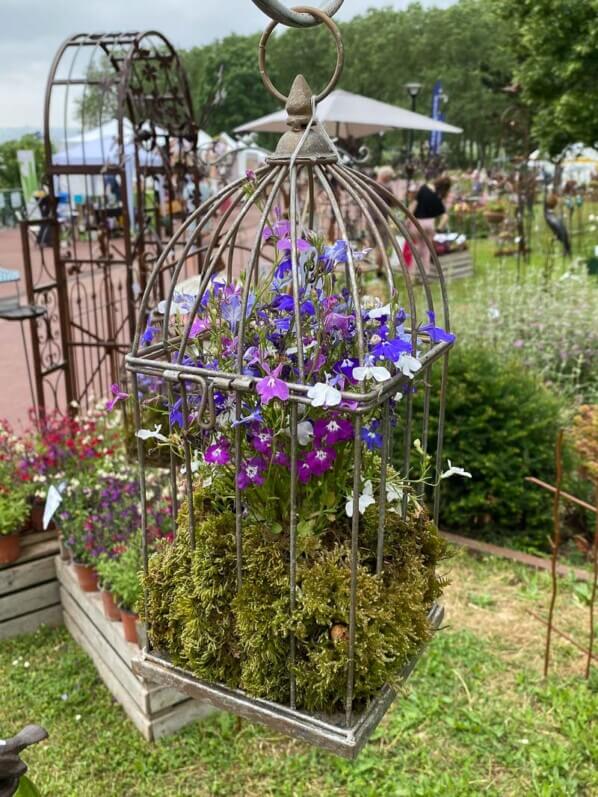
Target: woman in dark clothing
{"x":430,"y":211}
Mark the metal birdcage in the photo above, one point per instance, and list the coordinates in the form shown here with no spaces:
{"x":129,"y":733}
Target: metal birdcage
{"x":302,"y":185}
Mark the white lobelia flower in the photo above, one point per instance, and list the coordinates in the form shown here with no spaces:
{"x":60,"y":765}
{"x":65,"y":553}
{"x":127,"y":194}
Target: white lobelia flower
{"x":152,"y":434}
{"x":365,"y":499}
{"x":408,"y":365}
{"x":453,"y":470}
{"x":493,"y":313}
{"x":380,"y":312}
{"x":363,"y":372}
{"x":305,"y":432}
{"x":393,"y":493}
{"x":323,"y":395}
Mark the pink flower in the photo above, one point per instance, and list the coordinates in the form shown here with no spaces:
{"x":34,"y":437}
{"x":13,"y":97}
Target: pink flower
{"x":219,"y":453}
{"x":119,"y":395}
{"x":271,"y":386}
{"x":262,"y":441}
{"x":251,"y":473}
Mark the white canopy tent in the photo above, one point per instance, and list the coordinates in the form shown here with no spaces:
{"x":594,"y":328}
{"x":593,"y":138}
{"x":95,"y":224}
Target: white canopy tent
{"x":346,"y":115}
{"x":100,"y":146}
{"x":580,"y":163}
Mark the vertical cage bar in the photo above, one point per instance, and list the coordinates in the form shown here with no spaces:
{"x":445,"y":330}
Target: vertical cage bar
{"x":354,"y":567}
{"x":293,"y":547}
{"x":440,"y":438}
{"x":187,"y":450}
{"x":383,"y":476}
{"x":143,"y":498}
{"x":407,"y":446}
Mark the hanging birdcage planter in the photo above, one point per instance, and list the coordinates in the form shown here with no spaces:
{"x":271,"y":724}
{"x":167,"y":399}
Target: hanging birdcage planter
{"x":301,"y":586}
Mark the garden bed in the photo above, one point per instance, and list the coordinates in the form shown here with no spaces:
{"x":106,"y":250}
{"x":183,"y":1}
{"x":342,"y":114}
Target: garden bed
{"x":29,"y":595}
{"x":155,"y":711}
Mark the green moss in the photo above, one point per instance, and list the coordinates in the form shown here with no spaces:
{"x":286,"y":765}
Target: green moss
{"x":240,"y":637}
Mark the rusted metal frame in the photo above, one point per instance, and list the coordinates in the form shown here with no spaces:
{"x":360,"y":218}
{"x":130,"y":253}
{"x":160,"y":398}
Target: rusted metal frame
{"x":594,"y":590}
{"x":588,"y":651}
{"x":564,"y":495}
{"x":555,"y":544}
{"x":187,"y":451}
{"x":328,"y":732}
{"x":275,"y":177}
{"x":368,"y":401}
{"x":143,"y":500}
{"x":33,"y":329}
{"x":356,"y":453}
{"x":197,"y":217}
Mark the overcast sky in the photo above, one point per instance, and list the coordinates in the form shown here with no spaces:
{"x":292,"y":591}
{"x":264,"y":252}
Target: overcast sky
{"x":32,"y":30}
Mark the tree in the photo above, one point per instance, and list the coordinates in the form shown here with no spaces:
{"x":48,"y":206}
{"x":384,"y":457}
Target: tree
{"x":385,"y":49}
{"x":557,"y":49}
{"x":9,"y":167}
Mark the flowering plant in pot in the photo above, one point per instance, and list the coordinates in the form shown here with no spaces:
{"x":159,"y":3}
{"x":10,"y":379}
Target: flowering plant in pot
{"x":100,"y":511}
{"x":14,"y":514}
{"x":122,"y":573}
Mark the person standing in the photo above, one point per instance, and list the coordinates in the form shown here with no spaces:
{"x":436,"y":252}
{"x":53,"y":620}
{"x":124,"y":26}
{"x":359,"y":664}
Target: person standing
{"x":430,"y":211}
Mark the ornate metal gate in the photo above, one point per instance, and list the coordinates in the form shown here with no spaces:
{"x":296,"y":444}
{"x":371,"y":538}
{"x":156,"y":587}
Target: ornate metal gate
{"x":121,"y":170}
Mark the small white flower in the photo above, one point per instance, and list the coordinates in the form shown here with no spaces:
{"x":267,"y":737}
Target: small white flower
{"x":365,"y":499}
{"x":408,"y":365}
{"x":379,"y":312}
{"x":77,"y":717}
{"x":155,"y":434}
{"x":493,"y":313}
{"x":26,"y":665}
{"x":305,"y":432}
{"x":393,"y":493}
{"x":453,"y":470}
{"x":64,"y":696}
{"x":377,"y":372}
{"x":323,"y":395}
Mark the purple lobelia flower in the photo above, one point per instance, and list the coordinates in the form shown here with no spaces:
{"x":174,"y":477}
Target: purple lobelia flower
{"x":332,"y":430}
{"x":345,"y":367}
{"x":391,"y":349}
{"x":118,"y":395}
{"x":271,"y":387}
{"x":339,"y":322}
{"x":199,"y":326}
{"x":255,"y":416}
{"x":371,"y":437}
{"x":251,"y":473}
{"x":283,"y":268}
{"x":320,"y":460}
{"x":304,"y":471}
{"x":219,"y":453}
{"x":437,"y":334}
{"x":149,"y":334}
{"x":282,"y":458}
{"x":261,"y":440}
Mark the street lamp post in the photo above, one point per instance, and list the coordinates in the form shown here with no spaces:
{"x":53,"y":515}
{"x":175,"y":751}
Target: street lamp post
{"x":413,"y":90}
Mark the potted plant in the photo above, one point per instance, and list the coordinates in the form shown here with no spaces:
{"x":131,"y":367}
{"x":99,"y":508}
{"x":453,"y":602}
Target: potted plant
{"x":105,"y":567}
{"x":123,"y":573}
{"x":14,"y":512}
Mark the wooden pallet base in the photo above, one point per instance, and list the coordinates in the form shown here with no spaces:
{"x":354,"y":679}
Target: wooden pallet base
{"x":456,"y":265}
{"x":155,"y":711}
{"x":29,"y":595}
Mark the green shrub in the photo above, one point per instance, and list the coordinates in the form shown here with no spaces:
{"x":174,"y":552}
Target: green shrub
{"x":14,"y":511}
{"x":501,"y":425}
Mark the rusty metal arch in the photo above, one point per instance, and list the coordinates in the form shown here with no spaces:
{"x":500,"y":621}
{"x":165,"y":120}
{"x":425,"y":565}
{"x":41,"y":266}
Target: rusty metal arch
{"x":121,"y":173}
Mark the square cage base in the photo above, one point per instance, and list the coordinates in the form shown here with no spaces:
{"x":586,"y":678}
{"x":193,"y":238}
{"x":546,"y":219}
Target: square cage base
{"x":328,"y":732}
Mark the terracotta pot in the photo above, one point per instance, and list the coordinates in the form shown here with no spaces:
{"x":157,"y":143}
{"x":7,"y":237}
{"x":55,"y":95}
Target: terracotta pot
{"x":111,"y":610}
{"x":10,"y":548}
{"x":129,"y":620}
{"x":87,"y":577}
{"x":494,"y":216}
{"x":37,"y":516}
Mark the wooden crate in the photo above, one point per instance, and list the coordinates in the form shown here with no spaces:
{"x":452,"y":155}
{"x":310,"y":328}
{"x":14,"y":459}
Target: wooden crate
{"x":456,"y":265}
{"x":156,"y":711}
{"x":29,"y":595}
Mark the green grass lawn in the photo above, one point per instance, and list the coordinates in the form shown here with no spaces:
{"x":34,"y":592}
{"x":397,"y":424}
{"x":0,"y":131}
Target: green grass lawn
{"x":476,"y":718}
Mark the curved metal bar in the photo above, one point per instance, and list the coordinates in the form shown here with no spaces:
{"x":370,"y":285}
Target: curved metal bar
{"x":292,"y":18}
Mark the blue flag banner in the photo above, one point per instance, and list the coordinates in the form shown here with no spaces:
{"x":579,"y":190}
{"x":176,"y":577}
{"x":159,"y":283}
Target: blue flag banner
{"x":436,"y":135}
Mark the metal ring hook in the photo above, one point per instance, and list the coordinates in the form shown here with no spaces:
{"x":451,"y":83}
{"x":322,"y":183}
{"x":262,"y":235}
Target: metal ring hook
{"x":280,"y":13}
{"x":340,"y":54}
